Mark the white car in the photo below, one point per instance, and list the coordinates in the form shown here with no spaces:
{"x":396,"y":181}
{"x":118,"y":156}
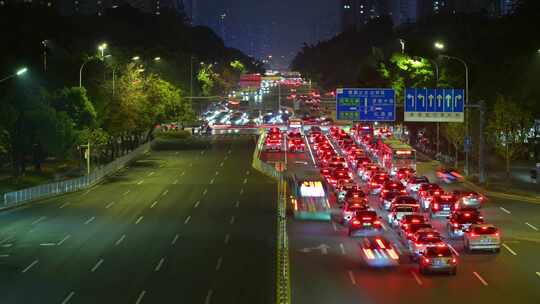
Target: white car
{"x":482,"y":237}
{"x":398,"y":211}
{"x":414,"y":182}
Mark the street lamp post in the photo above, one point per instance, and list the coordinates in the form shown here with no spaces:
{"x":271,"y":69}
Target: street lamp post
{"x":16,"y":74}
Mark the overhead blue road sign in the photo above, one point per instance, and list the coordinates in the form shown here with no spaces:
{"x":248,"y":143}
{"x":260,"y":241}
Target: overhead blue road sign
{"x":434,"y":105}
{"x":365,"y":104}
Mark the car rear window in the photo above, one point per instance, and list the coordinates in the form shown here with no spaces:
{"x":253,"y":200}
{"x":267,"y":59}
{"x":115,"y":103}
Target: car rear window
{"x":432,"y":239}
{"x":485,"y":230}
{"x":406,"y":209}
{"x":406,"y":200}
{"x":438,"y":251}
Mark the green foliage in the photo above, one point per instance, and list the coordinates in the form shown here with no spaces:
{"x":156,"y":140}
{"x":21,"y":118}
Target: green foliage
{"x":76,"y":104}
{"x":206,"y":77}
{"x":238,"y":66}
{"x":180,"y":134}
{"x":455,"y":134}
{"x":508,"y":127}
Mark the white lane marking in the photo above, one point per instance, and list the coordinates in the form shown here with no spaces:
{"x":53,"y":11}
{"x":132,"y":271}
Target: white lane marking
{"x":334,"y":226}
{"x":30,"y":266}
{"x":97,"y":265}
{"x":197,"y":204}
{"x":87,"y":191}
{"x":174,"y":239}
{"x":227,"y":238}
{"x":162,"y":165}
{"x":63,"y":240}
{"x":202,"y":152}
{"x":226,"y":157}
{"x":342,"y":248}
{"x":4,"y":255}
{"x":140,"y":182}
{"x":47,"y":244}
{"x":139,"y":220}
{"x":416,"y":277}
{"x":165,"y":192}
{"x":505,"y":210}
{"x":241,"y":191}
{"x":453,"y":249}
{"x":109,"y":205}
{"x":90,"y":220}
{"x":159,"y":264}
{"x":480,"y":278}
{"x":538,"y":273}
{"x":153,"y":204}
{"x":141,"y":296}
{"x":151,"y":173}
{"x":384,"y":226}
{"x":126,"y":193}
{"x":245,"y":181}
{"x":68,"y":297}
{"x":176,"y":153}
{"x":531,"y":226}
{"x":232,"y":220}
{"x":39,"y":220}
{"x":237,"y":204}
{"x":217,"y":173}
{"x":120,"y":240}
{"x":509,"y":249}
{"x":247,"y":172}
{"x":64,"y":205}
{"x":191,"y":164}
{"x":208,"y":297}
{"x":7,"y":245}
{"x":175,"y":182}
{"x":218,"y":264}
{"x":205,"y":191}
{"x":211,"y":181}
{"x":183,"y":172}
{"x":229,"y":152}
{"x":221,"y":164}
{"x":187,"y":219}
{"x":351,"y":277}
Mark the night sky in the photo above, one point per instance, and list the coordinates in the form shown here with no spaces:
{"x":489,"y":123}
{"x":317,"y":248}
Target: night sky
{"x":270,"y":27}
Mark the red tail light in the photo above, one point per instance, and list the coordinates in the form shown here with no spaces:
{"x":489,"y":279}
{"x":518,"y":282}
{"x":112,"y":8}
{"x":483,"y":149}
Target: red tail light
{"x":454,"y":261}
{"x":409,"y":234}
{"x":386,"y":191}
{"x":374,"y":184}
{"x":426,"y":261}
{"x":435,"y":206}
{"x":456,"y":225}
{"x":496,"y":234}
{"x":403,"y":191}
{"x":377,"y":222}
{"x":473,"y":234}
{"x":356,"y":222}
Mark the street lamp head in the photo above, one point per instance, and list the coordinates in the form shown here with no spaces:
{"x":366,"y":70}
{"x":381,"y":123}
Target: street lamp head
{"x":102,"y":46}
{"x":157,"y":59}
{"x":21,"y":71}
{"x":439,"y":45}
{"x":135,"y":58}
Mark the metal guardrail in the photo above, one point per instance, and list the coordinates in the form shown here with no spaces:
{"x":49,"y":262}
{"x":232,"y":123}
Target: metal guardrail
{"x":283,"y":279}
{"x":23,"y":196}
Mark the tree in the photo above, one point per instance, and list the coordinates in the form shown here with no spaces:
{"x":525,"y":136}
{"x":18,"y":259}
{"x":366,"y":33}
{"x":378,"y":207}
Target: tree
{"x":507,"y":129}
{"x":455,"y":133}
{"x":206,"y":77}
{"x":76,"y":104}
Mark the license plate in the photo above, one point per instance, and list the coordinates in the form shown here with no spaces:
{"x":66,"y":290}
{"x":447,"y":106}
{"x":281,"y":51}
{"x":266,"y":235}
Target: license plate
{"x":446,"y":208}
{"x":367,"y":224}
{"x":438,"y":262}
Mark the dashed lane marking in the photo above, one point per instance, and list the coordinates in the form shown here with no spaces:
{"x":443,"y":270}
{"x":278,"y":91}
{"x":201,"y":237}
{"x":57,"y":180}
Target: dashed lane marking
{"x":139,"y":220}
{"x":165,"y":192}
{"x":39,"y":220}
{"x":351,"y":277}
{"x":30,"y":266}
{"x":126,"y":193}
{"x":416,"y":278}
{"x":538,"y":273}
{"x":247,"y":172}
{"x":211,"y":181}
{"x":175,"y":182}
{"x":241,"y":191}
{"x":174,"y":239}
{"x":505,"y":210}
{"x":532,"y":226}
{"x":208,"y":297}
{"x":120,"y":240}
{"x":64,"y":205}
{"x":342,"y":248}
{"x":334,"y":226}
{"x":4,"y":255}
{"x":221,"y":164}
{"x":217,"y":173}
{"x":140,"y":297}
{"x":97,"y":265}
{"x":151,"y":173}
{"x":218,"y":264}
{"x":480,"y":278}
{"x":232,"y":220}
{"x":63,"y":240}
{"x":47,"y":244}
{"x":68,"y":297}
{"x":205,"y":191}
{"x":453,"y":249}
{"x":183,"y":172}
{"x":509,"y":249}
{"x":237,"y":204}
{"x":90,"y":220}
{"x":187,"y":219}
{"x":140,"y":182}
{"x":159,"y":264}
{"x":245,"y":181}
{"x":109,"y":205}
{"x":227,"y":238}
{"x":197,"y":204}
{"x":153,"y":204}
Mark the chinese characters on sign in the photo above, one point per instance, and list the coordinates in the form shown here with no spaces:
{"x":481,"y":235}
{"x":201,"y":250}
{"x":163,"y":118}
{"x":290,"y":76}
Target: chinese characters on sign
{"x":365,"y":104}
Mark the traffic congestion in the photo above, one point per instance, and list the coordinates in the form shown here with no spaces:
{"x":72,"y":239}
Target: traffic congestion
{"x":367,"y":183}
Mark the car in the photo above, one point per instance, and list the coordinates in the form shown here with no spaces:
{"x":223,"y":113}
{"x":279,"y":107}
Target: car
{"x":393,"y":186}
{"x":296,"y":145}
{"x":424,"y":188}
{"x":442,"y":205}
{"x":274,"y":131}
{"x":438,"y":259}
{"x":294,"y":134}
{"x":337,"y":160}
{"x":326,"y":173}
{"x":408,"y":231}
{"x":469,"y":199}
{"x":353,"y":194}
{"x":359,"y":160}
{"x":377,"y":181}
{"x":482,"y":237}
{"x":346,"y":190}
{"x":273,"y":143}
{"x":449,"y":175}
{"x":385,"y":199}
{"x":427,"y":197}
{"x":364,"y":220}
{"x":409,"y":219}
{"x":413,"y":183}
{"x":461,"y":219}
{"x":366,"y":171}
{"x":397,"y":212}
{"x":377,"y":251}
{"x":404,"y":173}
{"x":423,"y":239}
{"x":340,"y":175}
{"x":350,"y":209}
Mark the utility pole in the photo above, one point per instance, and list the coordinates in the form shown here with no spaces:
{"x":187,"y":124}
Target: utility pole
{"x":44,"y":43}
{"x":481,"y":144}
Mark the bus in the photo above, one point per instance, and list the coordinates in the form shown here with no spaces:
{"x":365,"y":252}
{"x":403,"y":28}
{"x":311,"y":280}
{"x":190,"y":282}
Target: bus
{"x":394,"y":154}
{"x":309,"y":200}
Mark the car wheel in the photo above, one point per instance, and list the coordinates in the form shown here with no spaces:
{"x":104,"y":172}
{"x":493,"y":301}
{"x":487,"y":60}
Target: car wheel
{"x":497,"y":250}
{"x":454,"y":271}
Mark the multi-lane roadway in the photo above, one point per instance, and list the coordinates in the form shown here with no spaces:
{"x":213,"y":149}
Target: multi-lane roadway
{"x":193,"y":226}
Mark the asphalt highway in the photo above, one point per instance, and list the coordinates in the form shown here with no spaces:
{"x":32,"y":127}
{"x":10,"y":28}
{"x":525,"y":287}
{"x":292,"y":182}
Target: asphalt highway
{"x":326,"y":265}
{"x":175,"y":227}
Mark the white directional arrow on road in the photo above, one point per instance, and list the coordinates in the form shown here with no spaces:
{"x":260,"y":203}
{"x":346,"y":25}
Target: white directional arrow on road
{"x":323,"y":248}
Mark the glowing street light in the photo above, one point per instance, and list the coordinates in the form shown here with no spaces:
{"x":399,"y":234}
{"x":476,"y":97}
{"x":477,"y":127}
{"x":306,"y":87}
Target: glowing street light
{"x":102,"y":47}
{"x":21,"y":71}
{"x":135,"y":58}
{"x":439,"y":45}
{"x":157,"y":59}
{"x":18,"y":73}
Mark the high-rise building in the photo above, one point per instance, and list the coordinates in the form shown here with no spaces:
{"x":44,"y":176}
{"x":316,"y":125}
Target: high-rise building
{"x":507,"y":7}
{"x":404,"y":11}
{"x":356,"y":13}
